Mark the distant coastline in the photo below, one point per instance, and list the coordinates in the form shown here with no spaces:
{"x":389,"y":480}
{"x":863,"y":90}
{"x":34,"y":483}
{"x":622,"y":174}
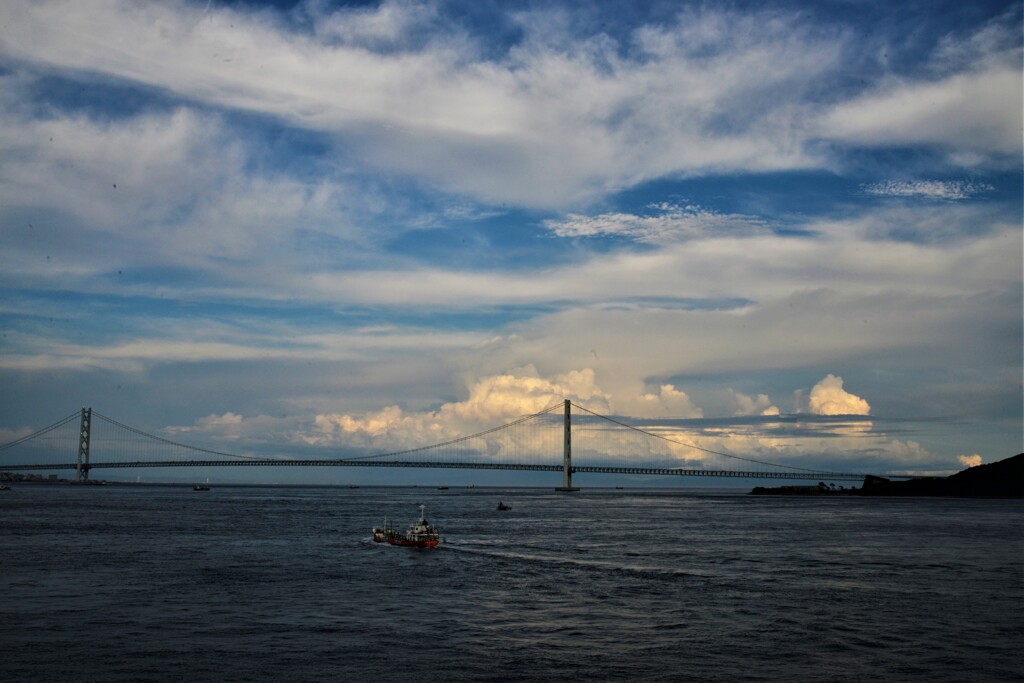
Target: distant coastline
{"x":1003,"y":479}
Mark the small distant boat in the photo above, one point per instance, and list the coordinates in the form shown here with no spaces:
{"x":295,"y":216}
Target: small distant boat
{"x":200,"y":487}
{"x":442,"y":488}
{"x":419,"y":535}
{"x":504,"y":506}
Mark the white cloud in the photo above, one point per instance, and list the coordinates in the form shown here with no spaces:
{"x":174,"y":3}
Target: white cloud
{"x":759,"y":268}
{"x":498,"y":399}
{"x":799,"y":444}
{"x":168,"y":341}
{"x":143,"y":157}
{"x":829,"y":398}
{"x":968,"y":103}
{"x":886,"y":301}
{"x":492,"y":400}
{"x":669,"y":401}
{"x":170,"y":190}
{"x":928,"y":189}
{"x":557,"y":120}
{"x":543,"y":126}
{"x":227,"y":427}
{"x":969,"y":460}
{"x":667,"y":223}
{"x":389,"y":25}
{"x":753,"y":405}
{"x":973,"y":115}
{"x":9,"y":435}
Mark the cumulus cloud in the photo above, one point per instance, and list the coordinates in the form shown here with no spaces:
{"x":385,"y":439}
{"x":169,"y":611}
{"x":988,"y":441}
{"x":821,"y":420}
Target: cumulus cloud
{"x":228,"y":425}
{"x":753,"y":405}
{"x":492,"y":400}
{"x":497,"y":399}
{"x":213,"y":421}
{"x":829,"y":398}
{"x":928,"y":189}
{"x":367,"y":429}
{"x":669,"y":401}
{"x":797,"y":443}
{"x":969,"y":460}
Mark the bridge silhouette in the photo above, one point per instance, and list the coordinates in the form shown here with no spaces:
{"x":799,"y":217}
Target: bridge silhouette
{"x":551,"y":440}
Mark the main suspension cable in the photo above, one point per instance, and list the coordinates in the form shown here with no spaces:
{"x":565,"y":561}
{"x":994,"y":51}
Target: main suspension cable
{"x":461,"y":438}
{"x":173,"y":443}
{"x":694,"y":446}
{"x":44,"y":430}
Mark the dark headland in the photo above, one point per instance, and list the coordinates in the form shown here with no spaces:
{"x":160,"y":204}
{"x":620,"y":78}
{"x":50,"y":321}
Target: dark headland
{"x":1003,"y":479}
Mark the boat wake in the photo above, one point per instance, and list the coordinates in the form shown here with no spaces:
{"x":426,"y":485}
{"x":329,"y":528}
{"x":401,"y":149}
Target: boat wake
{"x":562,"y":560}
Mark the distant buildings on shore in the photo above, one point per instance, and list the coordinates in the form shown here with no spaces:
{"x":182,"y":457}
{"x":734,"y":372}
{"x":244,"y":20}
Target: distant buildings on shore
{"x":9,"y":477}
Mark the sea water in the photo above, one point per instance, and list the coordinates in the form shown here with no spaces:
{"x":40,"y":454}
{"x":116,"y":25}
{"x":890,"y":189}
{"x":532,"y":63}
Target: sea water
{"x":148,"y":583}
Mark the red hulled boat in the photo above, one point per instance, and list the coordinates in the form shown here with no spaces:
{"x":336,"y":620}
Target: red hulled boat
{"x":419,"y":535}
{"x":384,"y":534}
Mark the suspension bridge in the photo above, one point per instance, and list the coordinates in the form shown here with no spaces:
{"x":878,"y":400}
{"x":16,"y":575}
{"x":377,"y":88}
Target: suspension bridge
{"x":556,"y":439}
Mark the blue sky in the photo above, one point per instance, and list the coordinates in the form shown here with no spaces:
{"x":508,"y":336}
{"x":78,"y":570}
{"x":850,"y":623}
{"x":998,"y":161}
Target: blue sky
{"x":314,"y":226}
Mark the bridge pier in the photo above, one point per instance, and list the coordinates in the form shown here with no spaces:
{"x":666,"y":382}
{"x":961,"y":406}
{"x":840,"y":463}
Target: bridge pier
{"x":567,"y":452}
{"x":84,"y":437}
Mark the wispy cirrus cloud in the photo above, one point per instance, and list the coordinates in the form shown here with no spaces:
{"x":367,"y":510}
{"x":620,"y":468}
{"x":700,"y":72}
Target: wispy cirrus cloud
{"x":556,"y":118}
{"x":965,"y":103}
{"x":974,"y":116}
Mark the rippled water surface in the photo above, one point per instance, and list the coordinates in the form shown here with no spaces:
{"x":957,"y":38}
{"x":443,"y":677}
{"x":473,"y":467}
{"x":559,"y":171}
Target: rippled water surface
{"x":240,"y":584}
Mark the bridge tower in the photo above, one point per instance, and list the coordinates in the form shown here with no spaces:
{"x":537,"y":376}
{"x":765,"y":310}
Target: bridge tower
{"x":84,"y":432}
{"x":567,"y":451}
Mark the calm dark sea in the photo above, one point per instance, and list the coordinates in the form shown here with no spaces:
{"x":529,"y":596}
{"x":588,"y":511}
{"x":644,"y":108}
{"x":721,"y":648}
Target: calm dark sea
{"x":275,"y":584}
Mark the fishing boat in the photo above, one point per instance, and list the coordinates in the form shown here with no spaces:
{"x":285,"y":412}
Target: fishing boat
{"x":200,"y":487}
{"x":419,"y":535}
{"x":382,"y":534}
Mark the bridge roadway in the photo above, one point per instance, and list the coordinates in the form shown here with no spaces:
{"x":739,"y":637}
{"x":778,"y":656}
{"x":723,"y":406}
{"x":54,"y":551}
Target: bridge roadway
{"x":576,"y":469}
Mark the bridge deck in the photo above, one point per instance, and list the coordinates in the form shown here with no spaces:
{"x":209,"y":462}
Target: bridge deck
{"x":577,"y":469}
